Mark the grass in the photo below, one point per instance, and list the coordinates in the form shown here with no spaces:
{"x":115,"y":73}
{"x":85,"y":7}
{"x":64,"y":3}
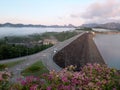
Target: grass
{"x":35,"y":69}
{"x":2,"y":67}
{"x":85,"y":29}
{"x":11,"y":64}
{"x":65,"y":35}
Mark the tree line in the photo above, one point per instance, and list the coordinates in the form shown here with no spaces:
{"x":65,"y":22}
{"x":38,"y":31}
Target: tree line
{"x":8,"y":51}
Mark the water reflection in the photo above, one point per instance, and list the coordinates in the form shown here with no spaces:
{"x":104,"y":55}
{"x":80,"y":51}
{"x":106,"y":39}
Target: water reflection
{"x":109,"y":47}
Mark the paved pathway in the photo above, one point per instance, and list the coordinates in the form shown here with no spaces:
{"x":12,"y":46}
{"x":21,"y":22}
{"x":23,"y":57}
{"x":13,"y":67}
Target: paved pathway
{"x":46,"y":56}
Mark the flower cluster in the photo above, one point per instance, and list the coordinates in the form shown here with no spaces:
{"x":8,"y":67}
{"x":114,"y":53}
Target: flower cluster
{"x":4,"y":76}
{"x":91,"y":77}
{"x":4,"y":79}
{"x":30,"y":83}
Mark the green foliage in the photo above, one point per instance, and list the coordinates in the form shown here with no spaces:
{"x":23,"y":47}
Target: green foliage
{"x":91,"y":77}
{"x":11,"y":51}
{"x":65,"y":35}
{"x":35,"y":69}
{"x":11,"y":64}
{"x":2,"y":66}
{"x":2,"y":41}
{"x":4,"y":78}
{"x":60,"y":36}
{"x":85,"y":29}
{"x":17,"y":39}
{"x":29,"y":83}
{"x":45,"y":35}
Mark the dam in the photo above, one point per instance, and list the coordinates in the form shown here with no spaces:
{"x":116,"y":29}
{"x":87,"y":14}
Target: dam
{"x":81,"y":51}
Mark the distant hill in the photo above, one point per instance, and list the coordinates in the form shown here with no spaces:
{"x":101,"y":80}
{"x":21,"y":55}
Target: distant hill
{"x":31,"y":25}
{"x":111,"y":26}
{"x":91,"y":25}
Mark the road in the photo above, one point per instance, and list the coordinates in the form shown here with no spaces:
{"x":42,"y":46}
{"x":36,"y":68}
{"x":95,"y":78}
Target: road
{"x":45,"y":56}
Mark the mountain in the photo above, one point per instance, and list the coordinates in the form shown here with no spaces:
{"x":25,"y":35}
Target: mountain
{"x":20,"y":25}
{"x":91,"y":25}
{"x":111,"y":26}
{"x":31,"y":25}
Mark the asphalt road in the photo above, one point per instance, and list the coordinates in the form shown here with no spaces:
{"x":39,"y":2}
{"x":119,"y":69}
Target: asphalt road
{"x":45,"y":56}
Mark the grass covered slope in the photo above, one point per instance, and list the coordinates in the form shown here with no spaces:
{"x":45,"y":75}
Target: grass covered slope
{"x":10,"y":64}
{"x":35,"y":69}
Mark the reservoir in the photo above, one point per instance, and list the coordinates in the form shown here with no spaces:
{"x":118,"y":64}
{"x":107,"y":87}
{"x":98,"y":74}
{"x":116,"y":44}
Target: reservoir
{"x":9,"y":31}
{"x":109,"y":47}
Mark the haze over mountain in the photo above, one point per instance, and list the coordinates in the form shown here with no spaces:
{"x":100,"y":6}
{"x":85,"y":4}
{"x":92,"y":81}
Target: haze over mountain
{"x":31,"y":25}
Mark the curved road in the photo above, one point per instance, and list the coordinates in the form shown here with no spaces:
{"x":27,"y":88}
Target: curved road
{"x":45,"y":56}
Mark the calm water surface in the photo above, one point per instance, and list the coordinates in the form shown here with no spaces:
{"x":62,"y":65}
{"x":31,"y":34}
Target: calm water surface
{"x":28,"y":31}
{"x":109,"y":47}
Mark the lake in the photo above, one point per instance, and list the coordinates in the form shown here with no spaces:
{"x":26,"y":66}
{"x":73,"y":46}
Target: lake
{"x":109,"y":47}
{"x":6,"y":31}
{"x":102,"y":30}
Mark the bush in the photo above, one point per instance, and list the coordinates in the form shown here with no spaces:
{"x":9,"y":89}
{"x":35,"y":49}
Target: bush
{"x":29,"y":83}
{"x":8,"y":51}
{"x":2,"y":67}
{"x":4,"y":80}
{"x":91,"y":77}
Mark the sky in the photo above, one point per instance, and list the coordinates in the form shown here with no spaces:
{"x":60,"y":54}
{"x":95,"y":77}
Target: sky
{"x":59,"y":12}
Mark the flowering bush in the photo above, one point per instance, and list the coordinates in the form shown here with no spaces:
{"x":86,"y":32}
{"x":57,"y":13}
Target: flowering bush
{"x":91,"y":77}
{"x":4,"y":80}
{"x":29,"y":83}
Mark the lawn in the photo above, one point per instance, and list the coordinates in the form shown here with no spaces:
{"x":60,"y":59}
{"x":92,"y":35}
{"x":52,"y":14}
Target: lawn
{"x":35,"y":69}
{"x":11,"y":64}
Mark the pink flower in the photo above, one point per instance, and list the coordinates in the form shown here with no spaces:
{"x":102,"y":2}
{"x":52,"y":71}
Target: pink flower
{"x":114,"y":89}
{"x":64,"y":79}
{"x":49,"y":88}
{"x":1,"y":77}
{"x":33,"y":87}
{"x":23,"y":82}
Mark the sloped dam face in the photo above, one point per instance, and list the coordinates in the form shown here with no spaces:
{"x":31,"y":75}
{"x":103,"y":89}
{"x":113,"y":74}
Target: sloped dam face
{"x":80,"y":52}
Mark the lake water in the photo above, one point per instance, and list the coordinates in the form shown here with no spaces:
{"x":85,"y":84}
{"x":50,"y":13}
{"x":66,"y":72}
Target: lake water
{"x":28,"y":31}
{"x":109,"y":47}
{"x":102,"y":30}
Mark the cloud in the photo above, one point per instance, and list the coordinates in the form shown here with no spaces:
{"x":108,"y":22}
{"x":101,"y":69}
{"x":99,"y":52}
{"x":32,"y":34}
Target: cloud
{"x":109,"y":8}
{"x":106,"y":11}
{"x":75,"y":15}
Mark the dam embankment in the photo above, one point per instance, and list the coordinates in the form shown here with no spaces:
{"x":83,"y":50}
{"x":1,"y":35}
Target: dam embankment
{"x":81,"y":51}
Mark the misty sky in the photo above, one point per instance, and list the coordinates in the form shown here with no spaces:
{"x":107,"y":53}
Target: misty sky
{"x":59,"y":12}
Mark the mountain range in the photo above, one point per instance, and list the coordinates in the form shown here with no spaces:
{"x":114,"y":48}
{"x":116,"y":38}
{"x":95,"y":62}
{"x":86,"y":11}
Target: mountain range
{"x":111,"y":26}
{"x":31,"y":25}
